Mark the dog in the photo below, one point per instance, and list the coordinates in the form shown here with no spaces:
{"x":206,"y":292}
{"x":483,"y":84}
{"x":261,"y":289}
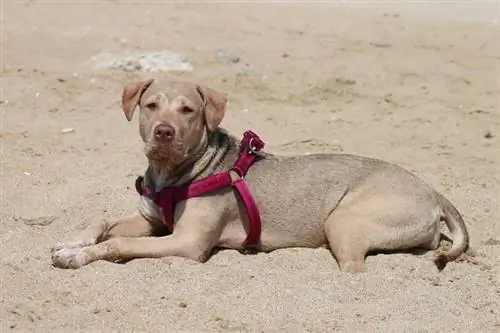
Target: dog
{"x":353,"y":205}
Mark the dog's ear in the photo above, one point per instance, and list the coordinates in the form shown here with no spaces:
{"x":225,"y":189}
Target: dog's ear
{"x":214,"y":106}
{"x":131,"y":96}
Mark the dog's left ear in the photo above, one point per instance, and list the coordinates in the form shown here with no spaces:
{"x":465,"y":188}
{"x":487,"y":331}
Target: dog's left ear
{"x":214,"y":106}
{"x":131,"y":96}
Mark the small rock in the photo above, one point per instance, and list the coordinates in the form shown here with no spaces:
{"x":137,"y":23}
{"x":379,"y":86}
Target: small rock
{"x":227,"y":56}
{"x":489,"y":135}
{"x":382,"y":45}
{"x":61,"y":79}
{"x":492,"y":241}
{"x":435,"y":281}
{"x":285,"y":55}
{"x":27,"y":173}
{"x":96,"y":311}
{"x":37,"y":95}
{"x":4,"y":102}
{"x":41,"y":221}
{"x":124,"y":41}
{"x":478,"y":111}
{"x":67,"y":130}
{"x":183,"y":305}
{"x":388,"y":99}
{"x":345,"y":81}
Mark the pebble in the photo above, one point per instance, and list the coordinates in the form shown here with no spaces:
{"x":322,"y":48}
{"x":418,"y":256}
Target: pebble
{"x":489,"y":135}
{"x":227,"y":56}
{"x":41,"y":221}
{"x":381,"y":45}
{"x":344,"y":81}
{"x":67,"y":130}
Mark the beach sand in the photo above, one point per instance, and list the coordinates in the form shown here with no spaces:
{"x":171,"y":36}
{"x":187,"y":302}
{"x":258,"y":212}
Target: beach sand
{"x":415,"y":84}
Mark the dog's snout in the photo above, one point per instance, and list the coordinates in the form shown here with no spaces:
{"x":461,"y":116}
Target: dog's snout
{"x":164,"y":132}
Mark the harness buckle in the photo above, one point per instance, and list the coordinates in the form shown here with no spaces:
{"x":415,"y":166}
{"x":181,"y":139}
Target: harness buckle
{"x":255,"y":144}
{"x":252,"y":150}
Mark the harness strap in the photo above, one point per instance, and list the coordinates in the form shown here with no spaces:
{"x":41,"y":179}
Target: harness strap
{"x":254,"y":222}
{"x":168,"y":197}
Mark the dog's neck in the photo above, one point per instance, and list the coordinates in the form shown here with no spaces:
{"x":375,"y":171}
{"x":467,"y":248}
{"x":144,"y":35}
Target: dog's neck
{"x":217,"y":150}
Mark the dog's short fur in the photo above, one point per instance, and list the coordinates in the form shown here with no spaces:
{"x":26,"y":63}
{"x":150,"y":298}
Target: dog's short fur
{"x":355,"y":205}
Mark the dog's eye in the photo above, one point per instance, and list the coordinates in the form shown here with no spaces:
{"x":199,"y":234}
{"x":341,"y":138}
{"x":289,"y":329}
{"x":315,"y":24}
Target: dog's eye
{"x":186,"y":109}
{"x":152,"y":106}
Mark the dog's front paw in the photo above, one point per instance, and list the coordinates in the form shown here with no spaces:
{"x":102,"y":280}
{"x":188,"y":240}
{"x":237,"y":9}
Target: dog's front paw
{"x":69,"y":257}
{"x":71,"y":245}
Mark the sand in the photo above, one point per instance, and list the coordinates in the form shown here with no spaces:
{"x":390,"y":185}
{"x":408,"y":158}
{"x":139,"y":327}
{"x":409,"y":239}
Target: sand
{"x":416,"y":84}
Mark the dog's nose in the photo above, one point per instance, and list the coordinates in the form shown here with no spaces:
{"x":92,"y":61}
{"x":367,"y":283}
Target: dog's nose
{"x":164,"y":132}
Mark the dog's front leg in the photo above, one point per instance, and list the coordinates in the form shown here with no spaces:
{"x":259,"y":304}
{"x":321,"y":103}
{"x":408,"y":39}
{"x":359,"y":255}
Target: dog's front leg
{"x":127,"y":248}
{"x":132,"y":226}
{"x":199,"y":224}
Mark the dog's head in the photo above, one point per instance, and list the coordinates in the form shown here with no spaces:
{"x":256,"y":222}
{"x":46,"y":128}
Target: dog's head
{"x":174,"y":117}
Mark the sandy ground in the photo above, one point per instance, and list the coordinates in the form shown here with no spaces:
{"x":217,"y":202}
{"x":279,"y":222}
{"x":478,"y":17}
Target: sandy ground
{"x":415,"y":84}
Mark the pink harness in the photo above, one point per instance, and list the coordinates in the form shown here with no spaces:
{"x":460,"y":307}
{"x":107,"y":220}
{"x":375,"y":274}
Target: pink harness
{"x":168,"y":197}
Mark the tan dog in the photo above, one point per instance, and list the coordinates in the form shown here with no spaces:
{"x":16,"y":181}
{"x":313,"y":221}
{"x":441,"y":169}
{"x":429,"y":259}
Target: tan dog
{"x":353,"y":204}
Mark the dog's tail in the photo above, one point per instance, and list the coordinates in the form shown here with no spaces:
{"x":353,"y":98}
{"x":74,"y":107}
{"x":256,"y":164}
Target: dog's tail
{"x":458,"y":229}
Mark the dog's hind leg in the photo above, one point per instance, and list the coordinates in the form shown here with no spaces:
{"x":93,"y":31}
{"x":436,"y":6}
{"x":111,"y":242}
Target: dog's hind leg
{"x":378,"y":224}
{"x":348,"y":242}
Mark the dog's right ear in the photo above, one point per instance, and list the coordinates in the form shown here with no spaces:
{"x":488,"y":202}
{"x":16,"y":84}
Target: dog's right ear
{"x":131,"y":96}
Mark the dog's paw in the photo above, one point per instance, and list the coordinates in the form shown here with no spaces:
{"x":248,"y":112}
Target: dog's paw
{"x":70,"y":245}
{"x":69,"y":257}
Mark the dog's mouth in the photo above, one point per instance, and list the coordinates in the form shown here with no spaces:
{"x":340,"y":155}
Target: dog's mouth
{"x":168,"y":154}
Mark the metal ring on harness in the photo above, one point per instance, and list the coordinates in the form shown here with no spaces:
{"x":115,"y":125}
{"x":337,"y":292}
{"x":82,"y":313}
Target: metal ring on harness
{"x":251,"y":148}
